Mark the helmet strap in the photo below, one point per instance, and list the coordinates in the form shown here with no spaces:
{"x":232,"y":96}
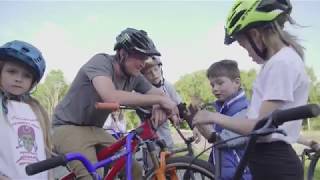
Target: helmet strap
{"x":8,"y":96}
{"x":159,"y":84}
{"x":262,"y":54}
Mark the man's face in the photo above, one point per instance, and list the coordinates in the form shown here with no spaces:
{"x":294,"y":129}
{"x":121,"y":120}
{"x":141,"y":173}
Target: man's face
{"x":135,"y":62}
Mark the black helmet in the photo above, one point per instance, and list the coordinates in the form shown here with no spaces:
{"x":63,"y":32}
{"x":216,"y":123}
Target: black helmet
{"x":136,"y":40}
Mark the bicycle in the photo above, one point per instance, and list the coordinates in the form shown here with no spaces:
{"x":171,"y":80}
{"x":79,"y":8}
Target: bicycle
{"x":267,"y":126}
{"x":181,"y":160}
{"x":166,"y":167}
{"x":313,"y":156}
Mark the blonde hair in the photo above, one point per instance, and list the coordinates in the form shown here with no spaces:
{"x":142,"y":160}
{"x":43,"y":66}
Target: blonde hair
{"x":276,"y":28}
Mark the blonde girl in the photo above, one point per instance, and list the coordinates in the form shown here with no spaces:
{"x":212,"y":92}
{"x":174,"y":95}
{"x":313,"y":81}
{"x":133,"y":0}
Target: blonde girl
{"x":24,"y":124}
{"x":258,"y":26}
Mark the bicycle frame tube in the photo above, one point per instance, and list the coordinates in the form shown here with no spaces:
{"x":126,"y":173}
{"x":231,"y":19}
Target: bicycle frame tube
{"x":130,"y":143}
{"x":110,"y":154}
{"x":129,"y":155}
{"x":80,"y":157}
{"x":147,"y":133}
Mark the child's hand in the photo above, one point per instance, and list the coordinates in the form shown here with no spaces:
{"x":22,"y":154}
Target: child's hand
{"x":203,"y":117}
{"x":196,"y":135}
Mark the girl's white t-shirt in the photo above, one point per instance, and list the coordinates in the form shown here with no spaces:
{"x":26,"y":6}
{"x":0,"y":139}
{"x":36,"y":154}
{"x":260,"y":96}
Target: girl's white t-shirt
{"x":283,"y":77}
{"x":22,"y":142}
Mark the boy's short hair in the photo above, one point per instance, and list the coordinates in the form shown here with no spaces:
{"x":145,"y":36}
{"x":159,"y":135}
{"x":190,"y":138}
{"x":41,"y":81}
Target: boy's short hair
{"x":226,"y":67}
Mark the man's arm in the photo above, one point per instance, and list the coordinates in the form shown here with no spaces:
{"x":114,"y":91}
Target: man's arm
{"x":105,"y":88}
{"x":156,"y":91}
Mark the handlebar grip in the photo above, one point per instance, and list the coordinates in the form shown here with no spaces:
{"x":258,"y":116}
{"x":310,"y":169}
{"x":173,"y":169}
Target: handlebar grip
{"x":44,"y":165}
{"x":113,"y":106}
{"x":301,"y":112}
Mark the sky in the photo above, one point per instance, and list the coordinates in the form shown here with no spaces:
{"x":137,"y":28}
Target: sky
{"x":189,"y":34}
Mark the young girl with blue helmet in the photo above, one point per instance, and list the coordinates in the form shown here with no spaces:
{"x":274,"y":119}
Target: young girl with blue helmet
{"x":24,"y":124}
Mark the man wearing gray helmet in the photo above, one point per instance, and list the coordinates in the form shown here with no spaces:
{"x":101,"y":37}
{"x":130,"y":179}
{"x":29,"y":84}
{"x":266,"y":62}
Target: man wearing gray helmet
{"x":107,"y":78}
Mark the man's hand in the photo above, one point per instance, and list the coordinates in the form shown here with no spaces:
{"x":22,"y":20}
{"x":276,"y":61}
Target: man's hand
{"x":159,"y":116}
{"x":171,"y":109}
{"x":169,"y":106}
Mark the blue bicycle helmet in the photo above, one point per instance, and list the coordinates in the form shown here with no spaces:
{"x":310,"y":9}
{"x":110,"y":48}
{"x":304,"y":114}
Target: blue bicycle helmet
{"x":25,"y":53}
{"x":136,"y":40}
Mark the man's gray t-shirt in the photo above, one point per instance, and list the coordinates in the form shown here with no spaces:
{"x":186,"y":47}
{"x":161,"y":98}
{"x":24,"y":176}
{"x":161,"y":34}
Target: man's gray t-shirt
{"x":78,"y":106}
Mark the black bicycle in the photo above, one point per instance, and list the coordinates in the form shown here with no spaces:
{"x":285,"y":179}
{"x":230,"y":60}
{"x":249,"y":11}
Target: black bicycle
{"x":198,"y":170}
{"x":313,"y":156}
{"x":269,"y":125}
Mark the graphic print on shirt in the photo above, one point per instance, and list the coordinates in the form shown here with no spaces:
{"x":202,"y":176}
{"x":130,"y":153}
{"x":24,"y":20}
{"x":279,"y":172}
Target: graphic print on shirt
{"x":26,"y":138}
{"x":24,"y":143}
{"x":26,"y":146}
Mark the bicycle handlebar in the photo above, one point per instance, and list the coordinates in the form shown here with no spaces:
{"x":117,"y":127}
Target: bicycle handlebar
{"x":44,"y":165}
{"x":113,"y":106}
{"x":307,"y":111}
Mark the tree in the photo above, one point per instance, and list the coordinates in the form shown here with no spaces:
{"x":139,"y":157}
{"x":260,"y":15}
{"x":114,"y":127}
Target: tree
{"x":50,"y":92}
{"x":194,"y":84}
{"x":132,"y":119}
{"x":247,"y":79}
{"x":197,"y":84}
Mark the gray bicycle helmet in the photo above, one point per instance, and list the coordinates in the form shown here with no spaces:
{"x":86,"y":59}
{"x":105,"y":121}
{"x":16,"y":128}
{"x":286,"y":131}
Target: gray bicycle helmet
{"x":136,"y":40}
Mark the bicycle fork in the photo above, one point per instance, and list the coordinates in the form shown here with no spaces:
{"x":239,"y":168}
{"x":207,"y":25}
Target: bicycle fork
{"x":162,"y":169}
{"x":160,"y":165}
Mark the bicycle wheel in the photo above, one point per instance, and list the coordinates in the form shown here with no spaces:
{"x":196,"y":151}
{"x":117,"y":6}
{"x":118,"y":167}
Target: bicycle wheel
{"x":198,"y":170}
{"x":312,"y":166}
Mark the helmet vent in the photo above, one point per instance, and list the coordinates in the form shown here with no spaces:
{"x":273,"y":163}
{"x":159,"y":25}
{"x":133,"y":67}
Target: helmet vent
{"x":268,"y":6}
{"x":236,"y":18}
{"x":25,"y":50}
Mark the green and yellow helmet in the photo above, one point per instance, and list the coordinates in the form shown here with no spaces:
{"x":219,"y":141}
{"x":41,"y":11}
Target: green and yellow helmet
{"x":246,"y":14}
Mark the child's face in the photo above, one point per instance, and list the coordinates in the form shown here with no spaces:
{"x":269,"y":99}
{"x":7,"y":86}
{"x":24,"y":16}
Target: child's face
{"x":243,"y":42}
{"x":223,"y":87}
{"x":153,"y":74}
{"x":15,"y":78}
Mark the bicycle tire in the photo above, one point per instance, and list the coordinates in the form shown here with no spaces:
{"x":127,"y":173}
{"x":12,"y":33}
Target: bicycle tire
{"x":312,"y":166}
{"x":200,"y":169}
